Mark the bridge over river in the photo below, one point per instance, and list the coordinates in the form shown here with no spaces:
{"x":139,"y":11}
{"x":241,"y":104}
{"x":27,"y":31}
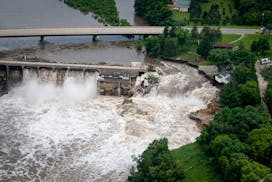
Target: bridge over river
{"x":95,"y":31}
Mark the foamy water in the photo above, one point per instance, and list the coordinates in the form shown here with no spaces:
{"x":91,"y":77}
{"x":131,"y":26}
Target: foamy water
{"x":67,"y":133}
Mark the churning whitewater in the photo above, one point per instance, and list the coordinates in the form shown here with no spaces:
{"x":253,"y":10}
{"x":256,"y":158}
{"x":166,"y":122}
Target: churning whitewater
{"x":50,"y":132}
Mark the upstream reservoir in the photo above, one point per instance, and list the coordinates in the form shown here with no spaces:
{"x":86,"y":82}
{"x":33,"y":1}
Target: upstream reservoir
{"x":68,"y":132}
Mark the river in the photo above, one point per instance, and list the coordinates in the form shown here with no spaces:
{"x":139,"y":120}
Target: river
{"x":54,"y":13}
{"x":68,"y":133}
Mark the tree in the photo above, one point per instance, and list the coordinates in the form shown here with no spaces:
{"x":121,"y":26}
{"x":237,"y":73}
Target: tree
{"x":268,"y":178}
{"x":253,"y":172}
{"x":236,"y":122}
{"x":229,"y":95}
{"x":242,"y":74}
{"x":154,"y":12}
{"x":170,"y":47}
{"x":249,"y":93}
{"x":204,"y":47}
{"x":220,"y":57}
{"x":269,"y":27}
{"x":183,"y":36}
{"x":268,"y":96}
{"x":195,"y":33}
{"x":212,"y":34}
{"x":260,"y":46}
{"x":260,"y":144}
{"x":152,"y":46}
{"x":243,"y":57}
{"x":224,"y":145}
{"x":157,"y":164}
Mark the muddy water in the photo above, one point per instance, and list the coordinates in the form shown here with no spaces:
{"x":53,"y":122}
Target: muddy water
{"x":110,"y":53}
{"x":67,"y":133}
{"x":41,"y":13}
{"x":126,"y":11}
{"x":73,"y":49}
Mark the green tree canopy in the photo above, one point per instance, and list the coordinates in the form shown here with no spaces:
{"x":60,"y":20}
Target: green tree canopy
{"x":171,"y":47}
{"x":212,"y":34}
{"x":157,"y":164}
{"x":225,"y":145}
{"x":243,"y":57}
{"x":249,"y":93}
{"x":254,"y":172}
{"x":154,"y":12}
{"x":243,"y":74}
{"x":260,"y":142}
{"x":260,"y":46}
{"x":204,"y":47}
{"x":153,"y":46}
{"x":237,"y":121}
{"x":268,"y":95}
{"x":220,"y":57}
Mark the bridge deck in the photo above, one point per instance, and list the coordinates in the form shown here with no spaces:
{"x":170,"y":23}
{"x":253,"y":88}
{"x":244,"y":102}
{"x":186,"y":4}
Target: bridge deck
{"x":81,"y":31}
{"x":134,"y":30}
{"x":72,"y":66}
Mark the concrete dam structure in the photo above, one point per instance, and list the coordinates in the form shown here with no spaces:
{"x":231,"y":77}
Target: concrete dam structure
{"x":111,"y":80}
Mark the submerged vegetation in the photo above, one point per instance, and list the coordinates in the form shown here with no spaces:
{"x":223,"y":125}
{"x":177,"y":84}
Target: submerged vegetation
{"x":105,"y":10}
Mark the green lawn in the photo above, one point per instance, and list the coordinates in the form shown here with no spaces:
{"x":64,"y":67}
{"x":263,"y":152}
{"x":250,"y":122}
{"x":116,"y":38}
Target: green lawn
{"x":248,"y":39}
{"x":197,"y":165}
{"x":227,"y":4}
{"x":188,"y":56}
{"x":180,"y":16}
{"x":227,"y":38}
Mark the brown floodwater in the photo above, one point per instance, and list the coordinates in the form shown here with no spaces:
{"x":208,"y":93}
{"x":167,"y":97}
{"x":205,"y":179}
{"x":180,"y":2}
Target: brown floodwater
{"x":113,"y":50}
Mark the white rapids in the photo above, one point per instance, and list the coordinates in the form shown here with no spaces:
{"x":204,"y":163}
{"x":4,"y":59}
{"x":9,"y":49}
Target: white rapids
{"x":67,"y":133}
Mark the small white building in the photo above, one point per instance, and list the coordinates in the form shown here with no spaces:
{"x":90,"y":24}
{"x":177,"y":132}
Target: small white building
{"x":223,"y":78}
{"x":182,"y":5}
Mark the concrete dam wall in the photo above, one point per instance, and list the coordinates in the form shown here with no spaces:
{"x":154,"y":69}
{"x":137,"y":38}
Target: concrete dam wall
{"x":109,"y":82}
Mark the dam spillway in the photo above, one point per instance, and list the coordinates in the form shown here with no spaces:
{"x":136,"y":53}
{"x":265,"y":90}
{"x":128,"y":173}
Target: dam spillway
{"x":111,"y":80}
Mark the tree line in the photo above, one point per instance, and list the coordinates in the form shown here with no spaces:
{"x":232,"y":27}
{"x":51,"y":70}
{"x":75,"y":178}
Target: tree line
{"x":105,"y":10}
{"x":169,"y":44}
{"x":246,"y":12}
{"x":154,"y":12}
{"x":239,"y":138}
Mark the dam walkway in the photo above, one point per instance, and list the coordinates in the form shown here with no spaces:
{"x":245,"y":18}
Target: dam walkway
{"x":99,"y":68}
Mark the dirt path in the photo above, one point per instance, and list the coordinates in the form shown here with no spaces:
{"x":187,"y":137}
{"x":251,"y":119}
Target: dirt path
{"x":262,"y":83}
{"x":240,"y":38}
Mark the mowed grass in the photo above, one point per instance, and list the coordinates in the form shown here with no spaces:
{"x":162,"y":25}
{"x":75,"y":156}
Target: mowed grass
{"x":227,"y":4}
{"x":249,"y":38}
{"x":227,"y":38}
{"x":180,"y":16}
{"x":197,"y":165}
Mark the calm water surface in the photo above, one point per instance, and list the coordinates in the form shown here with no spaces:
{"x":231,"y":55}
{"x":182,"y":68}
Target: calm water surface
{"x":54,"y":13}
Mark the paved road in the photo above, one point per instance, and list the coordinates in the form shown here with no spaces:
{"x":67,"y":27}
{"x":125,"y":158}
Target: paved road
{"x":135,"y":30}
{"x":233,"y":30}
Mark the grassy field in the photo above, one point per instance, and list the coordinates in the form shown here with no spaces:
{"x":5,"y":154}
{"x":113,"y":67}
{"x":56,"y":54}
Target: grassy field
{"x":180,"y":16}
{"x":197,"y":165}
{"x":248,"y":39}
{"x":227,"y":38}
{"x":188,"y":56}
{"x":227,"y":4}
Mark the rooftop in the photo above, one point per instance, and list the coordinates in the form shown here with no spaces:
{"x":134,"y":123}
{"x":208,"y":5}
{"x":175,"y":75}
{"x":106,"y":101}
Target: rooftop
{"x":223,"y":45}
{"x":183,"y":2}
